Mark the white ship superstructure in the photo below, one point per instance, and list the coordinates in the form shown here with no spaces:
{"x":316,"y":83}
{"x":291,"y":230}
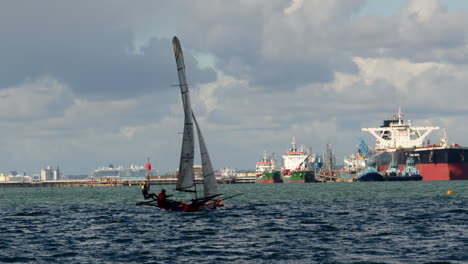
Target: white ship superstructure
{"x":227,"y":173}
{"x":268,"y":163}
{"x":354,"y":162}
{"x":395,"y":134}
{"x":296,"y":159}
{"x":119,"y":172}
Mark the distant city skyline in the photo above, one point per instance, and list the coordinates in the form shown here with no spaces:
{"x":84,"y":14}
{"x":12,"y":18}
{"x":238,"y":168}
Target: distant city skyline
{"x":90,"y":83}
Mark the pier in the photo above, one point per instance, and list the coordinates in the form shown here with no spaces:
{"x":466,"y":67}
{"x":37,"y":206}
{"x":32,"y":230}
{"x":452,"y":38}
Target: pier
{"x":156,"y":180}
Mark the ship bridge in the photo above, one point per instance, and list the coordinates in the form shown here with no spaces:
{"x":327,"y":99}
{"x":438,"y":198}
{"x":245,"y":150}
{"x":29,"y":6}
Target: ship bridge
{"x":396,"y":134}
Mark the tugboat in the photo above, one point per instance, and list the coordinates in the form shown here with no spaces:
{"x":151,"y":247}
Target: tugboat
{"x":393,"y":170}
{"x":411,"y":173}
{"x":370,"y":173}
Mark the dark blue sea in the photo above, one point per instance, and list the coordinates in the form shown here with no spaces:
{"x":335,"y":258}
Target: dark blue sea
{"x":368,"y":222}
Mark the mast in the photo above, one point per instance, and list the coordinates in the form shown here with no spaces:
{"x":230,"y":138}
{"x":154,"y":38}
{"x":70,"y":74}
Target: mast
{"x":293,"y":144}
{"x":185,"y":177}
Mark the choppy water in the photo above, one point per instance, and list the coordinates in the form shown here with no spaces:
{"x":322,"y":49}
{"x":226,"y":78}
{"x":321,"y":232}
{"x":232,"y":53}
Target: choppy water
{"x":382,"y":222}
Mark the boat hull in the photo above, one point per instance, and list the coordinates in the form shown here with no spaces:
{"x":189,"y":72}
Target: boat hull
{"x":290,"y":181}
{"x":270,"y":177}
{"x":403,"y":178}
{"x":438,"y":164}
{"x":193,"y":207}
{"x":209,"y":206}
{"x":175,"y":206}
{"x":371,"y":177}
{"x":375,"y":176}
{"x":300,"y":177}
{"x":266,"y":181}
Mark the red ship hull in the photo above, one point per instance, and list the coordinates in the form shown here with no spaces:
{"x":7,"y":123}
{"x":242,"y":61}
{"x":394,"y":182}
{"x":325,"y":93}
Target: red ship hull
{"x":266,"y":181}
{"x":434,"y":164}
{"x":437,"y":172}
{"x":294,"y":181}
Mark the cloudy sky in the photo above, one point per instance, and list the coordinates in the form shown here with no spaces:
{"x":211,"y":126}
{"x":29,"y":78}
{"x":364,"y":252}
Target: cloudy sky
{"x":90,"y":83}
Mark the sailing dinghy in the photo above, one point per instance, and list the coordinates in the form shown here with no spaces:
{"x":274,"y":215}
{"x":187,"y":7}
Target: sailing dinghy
{"x":185,"y":176}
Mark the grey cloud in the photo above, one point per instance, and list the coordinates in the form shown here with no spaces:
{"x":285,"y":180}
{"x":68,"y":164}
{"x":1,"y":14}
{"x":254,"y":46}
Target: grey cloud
{"x":238,"y":35}
{"x":87,"y":48}
{"x":319,"y":38}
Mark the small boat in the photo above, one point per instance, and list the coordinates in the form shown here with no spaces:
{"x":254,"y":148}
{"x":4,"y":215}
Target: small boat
{"x":185,"y":175}
{"x":393,"y":170}
{"x":370,"y":173}
{"x":410,"y":173}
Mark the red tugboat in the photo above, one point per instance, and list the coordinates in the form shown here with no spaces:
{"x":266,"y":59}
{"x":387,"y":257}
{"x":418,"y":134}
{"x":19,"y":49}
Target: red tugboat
{"x":398,"y":141}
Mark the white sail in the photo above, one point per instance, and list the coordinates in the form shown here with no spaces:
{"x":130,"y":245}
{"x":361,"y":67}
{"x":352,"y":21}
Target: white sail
{"x":185,"y":177}
{"x":209,"y":180}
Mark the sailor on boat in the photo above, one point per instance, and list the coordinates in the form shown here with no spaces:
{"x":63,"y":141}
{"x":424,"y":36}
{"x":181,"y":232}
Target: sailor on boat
{"x":162,"y":198}
{"x":163,"y":202}
{"x":146,"y":194}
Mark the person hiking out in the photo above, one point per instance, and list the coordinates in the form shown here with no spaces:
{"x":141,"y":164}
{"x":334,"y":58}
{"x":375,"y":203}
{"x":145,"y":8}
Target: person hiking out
{"x":146,"y":193}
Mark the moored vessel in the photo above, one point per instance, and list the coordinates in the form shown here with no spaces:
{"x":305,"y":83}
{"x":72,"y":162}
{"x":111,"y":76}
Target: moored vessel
{"x":399,"y":141}
{"x":300,"y":177}
{"x":410,"y":173}
{"x":355,"y":163}
{"x":273,"y":176}
{"x":370,"y":173}
{"x":298,"y":165}
{"x":266,"y":170}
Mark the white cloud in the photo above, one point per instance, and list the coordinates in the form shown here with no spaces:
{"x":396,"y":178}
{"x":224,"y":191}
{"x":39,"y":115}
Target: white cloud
{"x":421,"y":10}
{"x":37,"y":99}
{"x":295,"y":5}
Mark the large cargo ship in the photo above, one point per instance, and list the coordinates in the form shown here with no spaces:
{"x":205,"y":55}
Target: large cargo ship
{"x":297,"y":165}
{"x":398,"y":141}
{"x":266,"y":169}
